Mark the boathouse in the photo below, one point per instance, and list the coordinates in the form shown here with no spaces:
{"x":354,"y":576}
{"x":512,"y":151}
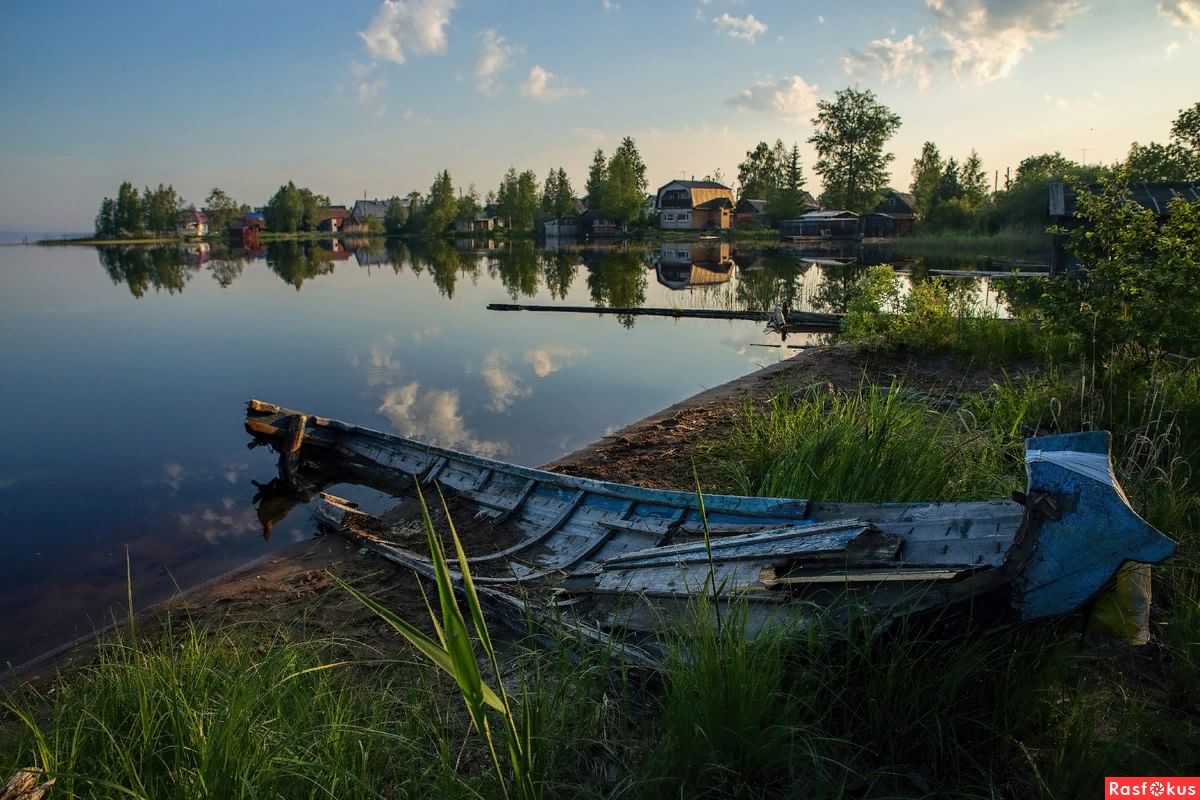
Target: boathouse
{"x":829,"y":224}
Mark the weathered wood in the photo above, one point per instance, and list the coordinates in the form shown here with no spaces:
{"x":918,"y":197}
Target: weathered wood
{"x":584,"y":544}
{"x":795,"y":319}
{"x":26,"y":784}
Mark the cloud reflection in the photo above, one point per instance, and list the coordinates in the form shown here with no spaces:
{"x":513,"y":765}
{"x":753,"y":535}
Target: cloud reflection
{"x":548,"y":359}
{"x":433,"y":415}
{"x":503,"y":384}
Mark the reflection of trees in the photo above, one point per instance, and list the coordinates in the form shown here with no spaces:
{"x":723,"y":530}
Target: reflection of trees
{"x":619,"y":279}
{"x":297,"y":262}
{"x":517,"y":264}
{"x":558,"y":271}
{"x":397,"y":254}
{"x":226,"y":270}
{"x":442,"y":260}
{"x":836,"y":288}
{"x":776,"y":281}
{"x":143,"y":268}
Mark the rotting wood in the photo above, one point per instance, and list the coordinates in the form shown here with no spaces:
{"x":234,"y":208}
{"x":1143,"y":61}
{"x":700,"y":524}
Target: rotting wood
{"x":26,"y":784}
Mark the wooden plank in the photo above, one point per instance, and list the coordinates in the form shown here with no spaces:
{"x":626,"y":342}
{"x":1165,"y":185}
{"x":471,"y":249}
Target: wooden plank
{"x":537,"y":538}
{"x":768,"y":576}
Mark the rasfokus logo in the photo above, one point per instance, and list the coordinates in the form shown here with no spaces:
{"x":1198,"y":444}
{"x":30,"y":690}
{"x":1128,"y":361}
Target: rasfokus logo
{"x":1156,"y":786}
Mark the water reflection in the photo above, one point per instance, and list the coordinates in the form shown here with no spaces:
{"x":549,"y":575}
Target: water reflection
{"x":714,"y":274}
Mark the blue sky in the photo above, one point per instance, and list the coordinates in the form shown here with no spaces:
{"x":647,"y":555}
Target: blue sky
{"x":370,"y":96}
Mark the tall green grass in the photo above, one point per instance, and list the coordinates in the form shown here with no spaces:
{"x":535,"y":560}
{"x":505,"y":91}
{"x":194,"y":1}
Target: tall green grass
{"x":197,"y":714}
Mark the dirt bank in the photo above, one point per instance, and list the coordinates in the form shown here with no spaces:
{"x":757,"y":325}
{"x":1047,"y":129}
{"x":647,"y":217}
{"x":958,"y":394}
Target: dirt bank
{"x":294,"y":587}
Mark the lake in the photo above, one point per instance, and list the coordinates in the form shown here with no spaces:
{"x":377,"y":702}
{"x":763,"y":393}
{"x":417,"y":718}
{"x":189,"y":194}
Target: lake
{"x":126,"y":371}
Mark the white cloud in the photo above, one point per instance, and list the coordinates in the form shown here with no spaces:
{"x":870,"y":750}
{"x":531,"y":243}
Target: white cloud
{"x":496,"y":54}
{"x":893,"y":60}
{"x":546,"y":87}
{"x":432,"y":416}
{"x":548,"y":359}
{"x":416,"y":26}
{"x":379,"y":362}
{"x":820,"y":19}
{"x":747,"y":27}
{"x":1181,"y":13}
{"x":504,"y":386}
{"x":609,"y":5}
{"x":1172,"y":48}
{"x":790,"y":99}
{"x":977,"y":41}
{"x":368,"y":94}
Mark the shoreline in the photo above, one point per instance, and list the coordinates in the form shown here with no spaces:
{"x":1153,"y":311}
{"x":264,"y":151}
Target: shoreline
{"x":658,"y":450}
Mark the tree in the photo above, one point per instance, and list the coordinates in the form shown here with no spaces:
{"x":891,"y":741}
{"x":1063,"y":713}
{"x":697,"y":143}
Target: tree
{"x":1138,"y":280}
{"x":597,"y":175}
{"x":1185,"y":131}
{"x":926,"y":173}
{"x":285,"y":210}
{"x":786,"y":201}
{"x":1161,"y":162}
{"x":106,"y":218}
{"x":222,"y":210}
{"x":558,"y":198}
{"x":761,"y":173}
{"x":850,"y":135}
{"x":395,"y":217}
{"x":160,"y":207}
{"x":468,"y":205}
{"x":517,"y":200}
{"x":442,"y":207}
{"x":973,"y":181}
{"x":127,"y":211}
{"x":624,"y":194}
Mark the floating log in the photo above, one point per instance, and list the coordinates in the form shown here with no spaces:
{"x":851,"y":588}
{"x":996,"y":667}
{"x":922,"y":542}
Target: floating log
{"x":795,"y":319}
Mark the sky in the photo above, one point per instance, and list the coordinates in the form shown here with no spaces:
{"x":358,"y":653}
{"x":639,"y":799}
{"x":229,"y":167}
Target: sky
{"x":372,"y":97}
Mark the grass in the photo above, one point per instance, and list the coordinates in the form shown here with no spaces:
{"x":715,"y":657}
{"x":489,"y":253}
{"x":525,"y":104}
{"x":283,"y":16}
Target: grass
{"x":1002,"y":242}
{"x":829,"y":711}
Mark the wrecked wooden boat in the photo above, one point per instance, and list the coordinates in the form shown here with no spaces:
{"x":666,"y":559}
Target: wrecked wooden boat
{"x":609,"y":558}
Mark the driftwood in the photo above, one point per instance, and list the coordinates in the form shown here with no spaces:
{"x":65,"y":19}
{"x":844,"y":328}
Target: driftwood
{"x":26,"y":785}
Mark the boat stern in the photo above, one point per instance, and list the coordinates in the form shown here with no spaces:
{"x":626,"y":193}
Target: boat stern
{"x":1092,"y":532}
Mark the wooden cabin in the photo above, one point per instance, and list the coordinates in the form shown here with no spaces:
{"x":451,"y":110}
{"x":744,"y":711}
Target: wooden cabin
{"x":750,"y":214}
{"x":562,"y":227}
{"x":333,"y":219}
{"x":191,"y":223}
{"x":694,"y":205}
{"x":244,"y":232}
{"x":894,"y":215}
{"x":830,"y":224}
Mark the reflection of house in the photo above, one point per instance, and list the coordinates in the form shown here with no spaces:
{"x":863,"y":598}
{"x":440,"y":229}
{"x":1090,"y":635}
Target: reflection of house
{"x":333,"y":219}
{"x":1156,"y":196}
{"x":335,"y":250}
{"x":683,"y":266}
{"x":821,"y":225}
{"x":694,"y":205}
{"x":191,"y":222}
{"x":244,"y":232}
{"x":895,"y":215}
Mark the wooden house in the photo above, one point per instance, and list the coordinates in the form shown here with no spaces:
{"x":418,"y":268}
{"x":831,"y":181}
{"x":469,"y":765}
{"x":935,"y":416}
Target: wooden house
{"x":245,"y":231}
{"x":595,"y":224}
{"x":191,"y":223}
{"x":333,"y":219}
{"x":562,"y":227}
{"x":750,"y":214}
{"x":1063,"y":209}
{"x":366,"y":210}
{"x":694,"y":205}
{"x":481,"y":223}
{"x":824,"y":225}
{"x":894,"y":215}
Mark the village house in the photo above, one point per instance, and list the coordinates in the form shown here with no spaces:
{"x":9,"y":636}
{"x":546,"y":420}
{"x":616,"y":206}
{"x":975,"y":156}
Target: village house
{"x":245,"y":231}
{"x":895,"y":215}
{"x":562,"y":227}
{"x":191,"y":223}
{"x":480,"y":223}
{"x":333,"y":219}
{"x":694,"y":205}
{"x":366,"y":210}
{"x":829,"y":224}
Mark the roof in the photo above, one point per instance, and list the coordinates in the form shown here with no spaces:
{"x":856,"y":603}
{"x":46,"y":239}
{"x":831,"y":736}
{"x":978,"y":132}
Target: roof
{"x":752,"y":206}
{"x":890,"y":215}
{"x":366,"y":209}
{"x":829,"y":214}
{"x":191,"y":214}
{"x":696,"y":185}
{"x":334,"y":212}
{"x":1154,"y":196}
{"x":716,"y":202}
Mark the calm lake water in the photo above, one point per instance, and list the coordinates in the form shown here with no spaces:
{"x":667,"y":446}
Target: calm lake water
{"x":126,"y":372}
